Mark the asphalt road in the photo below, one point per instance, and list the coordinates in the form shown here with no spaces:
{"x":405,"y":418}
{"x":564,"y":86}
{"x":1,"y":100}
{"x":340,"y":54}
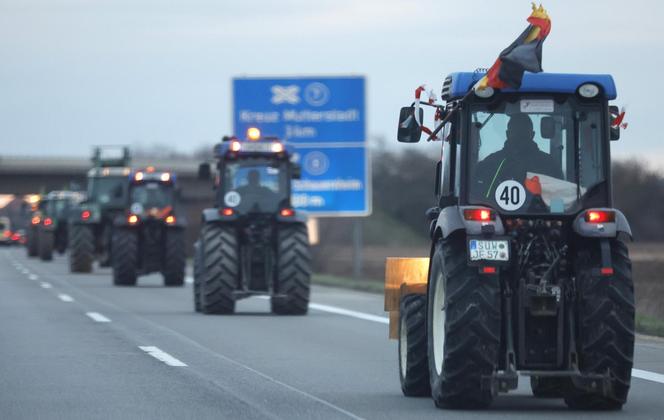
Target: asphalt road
{"x":75,"y":347}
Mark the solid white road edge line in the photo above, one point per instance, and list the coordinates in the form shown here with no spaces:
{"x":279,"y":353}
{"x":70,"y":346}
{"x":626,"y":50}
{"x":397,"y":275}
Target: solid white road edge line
{"x":348,"y":312}
{"x":162,"y":356}
{"x":65,"y":298}
{"x":648,"y":376}
{"x":45,"y":285}
{"x":636,"y":373}
{"x":97,"y":317}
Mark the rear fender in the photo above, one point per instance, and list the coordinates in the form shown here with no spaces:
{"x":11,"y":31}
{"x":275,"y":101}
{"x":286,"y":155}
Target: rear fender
{"x":451,"y":220}
{"x":602,"y":230}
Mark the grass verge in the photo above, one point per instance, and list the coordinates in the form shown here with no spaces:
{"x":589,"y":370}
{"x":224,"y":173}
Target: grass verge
{"x":649,"y":325}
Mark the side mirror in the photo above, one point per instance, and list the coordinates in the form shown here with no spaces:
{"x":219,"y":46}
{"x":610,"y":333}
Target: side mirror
{"x":547,"y":127}
{"x":296,"y":171}
{"x":409,"y":131}
{"x":614,"y":132}
{"x":204,"y":172}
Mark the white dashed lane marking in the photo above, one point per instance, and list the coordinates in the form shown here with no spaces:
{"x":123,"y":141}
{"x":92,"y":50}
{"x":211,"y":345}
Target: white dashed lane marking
{"x":65,"y":298}
{"x":97,"y":317}
{"x":162,"y":356}
{"x":45,"y":285}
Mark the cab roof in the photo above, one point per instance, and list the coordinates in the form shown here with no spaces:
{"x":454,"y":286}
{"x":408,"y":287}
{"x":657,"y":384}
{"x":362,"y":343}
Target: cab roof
{"x":458,"y":84}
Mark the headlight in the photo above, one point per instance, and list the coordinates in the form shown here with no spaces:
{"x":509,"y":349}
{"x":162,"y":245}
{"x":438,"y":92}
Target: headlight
{"x":588,"y":90}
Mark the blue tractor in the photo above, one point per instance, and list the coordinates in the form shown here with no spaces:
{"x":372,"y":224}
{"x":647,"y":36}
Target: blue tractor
{"x":252,"y":242}
{"x":528,"y":271}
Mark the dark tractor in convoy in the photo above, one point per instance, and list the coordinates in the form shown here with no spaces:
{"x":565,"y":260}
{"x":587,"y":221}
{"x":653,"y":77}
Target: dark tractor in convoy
{"x":35,"y":210}
{"x":148,"y":236}
{"x":52,"y":231}
{"x":91,"y":223}
{"x":252,"y":242}
{"x":528,"y":272}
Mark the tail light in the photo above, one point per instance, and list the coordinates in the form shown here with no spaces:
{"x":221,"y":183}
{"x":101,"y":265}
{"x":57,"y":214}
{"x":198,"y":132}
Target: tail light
{"x":132,"y":219}
{"x":479,"y":215}
{"x":227,"y":211}
{"x":287,"y":212}
{"x":85,"y":214}
{"x":600,"y":216}
{"x":606,"y":271}
{"x":35,"y":220}
{"x":48,"y":221}
{"x":488,"y":270}
{"x":7,"y":234}
{"x":170,"y":220}
{"x":16,"y":237}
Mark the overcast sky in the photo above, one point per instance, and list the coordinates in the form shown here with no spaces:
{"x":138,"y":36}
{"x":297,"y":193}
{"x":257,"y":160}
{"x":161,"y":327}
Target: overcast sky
{"x":74,"y":73}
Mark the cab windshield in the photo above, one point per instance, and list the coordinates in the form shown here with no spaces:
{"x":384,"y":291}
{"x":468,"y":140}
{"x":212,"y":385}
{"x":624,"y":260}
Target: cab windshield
{"x":58,"y":207}
{"x":152,"y":195}
{"x":107,"y":190}
{"x":536,"y":155}
{"x":255,"y":185}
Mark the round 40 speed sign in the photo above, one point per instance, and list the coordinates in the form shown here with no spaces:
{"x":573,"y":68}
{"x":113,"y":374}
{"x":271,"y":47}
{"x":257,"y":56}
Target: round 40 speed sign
{"x":510,"y":195}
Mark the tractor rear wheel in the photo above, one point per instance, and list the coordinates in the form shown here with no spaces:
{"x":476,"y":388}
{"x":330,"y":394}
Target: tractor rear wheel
{"x":33,"y":241}
{"x":124,"y":248}
{"x":605,"y":325}
{"x":221,"y":269}
{"x":82,"y":248}
{"x":198,"y":270}
{"x":174,"y":257}
{"x":413,"y":362}
{"x":46,"y":239}
{"x":463,"y":327}
{"x":293,"y":271}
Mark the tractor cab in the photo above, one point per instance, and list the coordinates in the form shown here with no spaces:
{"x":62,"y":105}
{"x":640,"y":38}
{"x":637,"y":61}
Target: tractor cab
{"x":254,"y":176}
{"x":152,"y":197}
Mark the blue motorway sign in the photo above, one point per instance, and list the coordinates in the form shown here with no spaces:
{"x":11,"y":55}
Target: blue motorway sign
{"x":323,"y":118}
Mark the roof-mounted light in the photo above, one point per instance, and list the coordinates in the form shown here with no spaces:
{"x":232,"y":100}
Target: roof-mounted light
{"x":149,"y":169}
{"x":483,"y":93}
{"x":253,"y":133}
{"x":235,"y":146}
{"x":588,"y":90}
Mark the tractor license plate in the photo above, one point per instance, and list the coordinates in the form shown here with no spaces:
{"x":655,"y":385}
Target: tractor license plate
{"x":488,"y":250}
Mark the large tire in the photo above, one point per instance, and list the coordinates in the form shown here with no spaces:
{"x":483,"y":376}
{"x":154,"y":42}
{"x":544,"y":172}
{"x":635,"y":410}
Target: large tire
{"x":463,"y":328}
{"x":174,"y":258}
{"x":46,"y":239}
{"x":413,"y":361}
{"x":548,"y":387}
{"x":33,"y":241}
{"x":221,"y":269}
{"x":82,"y":248}
{"x":198,"y":265}
{"x":605,"y":325}
{"x":124,"y":245}
{"x":293,"y":271}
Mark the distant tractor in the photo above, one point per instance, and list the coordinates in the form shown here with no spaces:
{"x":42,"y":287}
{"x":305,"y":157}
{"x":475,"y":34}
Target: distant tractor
{"x":91,"y":223}
{"x":36,"y":208}
{"x":528,"y":271}
{"x":252,"y":242}
{"x":52,"y":231}
{"x":148,"y":236}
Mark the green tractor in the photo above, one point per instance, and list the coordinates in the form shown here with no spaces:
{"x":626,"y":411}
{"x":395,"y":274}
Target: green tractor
{"x":91,"y":223}
{"x":52,"y":231}
{"x":148,"y":236}
{"x":528,"y":272}
{"x":252,"y":242}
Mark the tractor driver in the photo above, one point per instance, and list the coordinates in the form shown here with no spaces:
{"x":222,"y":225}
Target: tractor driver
{"x":253,"y":185}
{"x":518,"y":156}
